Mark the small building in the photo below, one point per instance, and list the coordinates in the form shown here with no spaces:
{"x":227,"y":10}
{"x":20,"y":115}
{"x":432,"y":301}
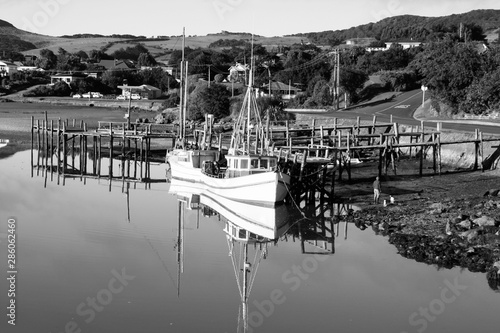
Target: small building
{"x":360,"y":41}
{"x":146,"y":91}
{"x":115,"y":64}
{"x":286,"y":91}
{"x":67,"y":78}
{"x":8,"y":69}
{"x":238,"y":73}
{"x":405,"y":45}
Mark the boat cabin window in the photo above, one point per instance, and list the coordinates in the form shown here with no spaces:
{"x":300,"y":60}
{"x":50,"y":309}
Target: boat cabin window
{"x":254,"y":163}
{"x":244,"y":164}
{"x":242,"y":234}
{"x":263,"y":163}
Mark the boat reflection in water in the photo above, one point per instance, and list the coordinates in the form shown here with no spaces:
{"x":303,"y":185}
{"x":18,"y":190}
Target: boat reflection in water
{"x":249,"y":230}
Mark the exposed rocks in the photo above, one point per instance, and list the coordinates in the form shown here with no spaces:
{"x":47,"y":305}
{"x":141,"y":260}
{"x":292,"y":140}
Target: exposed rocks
{"x":492,"y":192}
{"x":461,"y":232}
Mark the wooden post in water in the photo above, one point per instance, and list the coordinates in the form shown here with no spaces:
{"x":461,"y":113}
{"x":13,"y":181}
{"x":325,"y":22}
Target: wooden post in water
{"x":110,"y":156}
{"x":65,"y":153}
{"x":99,"y":155}
{"x":148,"y":150}
{"x":59,"y":136}
{"x":44,"y":147}
{"x":123,"y":154}
{"x":481,"y":150}
{"x":135,"y":158}
{"x":141,"y":158}
{"x":38,"y":147}
{"x":348,"y":152}
{"x":51,"y":150}
{"x":73,"y":151}
{"x":32,"y":143}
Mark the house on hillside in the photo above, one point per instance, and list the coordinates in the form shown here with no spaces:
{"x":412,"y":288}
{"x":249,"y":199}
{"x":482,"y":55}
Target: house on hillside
{"x":360,"y":41}
{"x":165,"y":66}
{"x":29,"y":59}
{"x":146,"y":91}
{"x":30,"y":69}
{"x":286,"y":91}
{"x":8,"y":69}
{"x":67,"y":78}
{"x":116,"y":64}
{"x":238,"y":73}
{"x":405,"y":45}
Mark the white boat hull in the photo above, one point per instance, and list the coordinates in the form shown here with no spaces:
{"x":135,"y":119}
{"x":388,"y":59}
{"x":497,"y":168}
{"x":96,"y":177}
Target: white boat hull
{"x":265,"y":188}
{"x":268,"y":222}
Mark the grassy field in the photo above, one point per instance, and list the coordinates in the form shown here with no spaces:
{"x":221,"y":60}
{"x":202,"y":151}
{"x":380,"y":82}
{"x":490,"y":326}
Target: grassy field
{"x":156,"y":47}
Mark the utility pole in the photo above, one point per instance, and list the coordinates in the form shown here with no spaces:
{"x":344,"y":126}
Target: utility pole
{"x":209,"y":74}
{"x":336,"y":78}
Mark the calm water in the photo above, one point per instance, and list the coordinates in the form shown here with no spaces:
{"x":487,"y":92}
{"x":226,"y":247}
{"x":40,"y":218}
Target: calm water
{"x":91,"y":259}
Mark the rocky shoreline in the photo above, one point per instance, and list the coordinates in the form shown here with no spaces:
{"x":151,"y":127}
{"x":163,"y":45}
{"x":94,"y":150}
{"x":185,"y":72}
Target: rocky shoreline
{"x":458,"y":228}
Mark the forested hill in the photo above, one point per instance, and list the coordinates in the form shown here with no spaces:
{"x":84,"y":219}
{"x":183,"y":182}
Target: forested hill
{"x":407,"y":27}
{"x":5,"y":24}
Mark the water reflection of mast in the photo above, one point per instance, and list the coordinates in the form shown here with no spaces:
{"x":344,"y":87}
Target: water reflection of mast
{"x":180,"y":247}
{"x":244,"y":270}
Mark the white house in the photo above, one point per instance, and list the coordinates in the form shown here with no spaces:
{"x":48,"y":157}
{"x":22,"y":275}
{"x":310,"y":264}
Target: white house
{"x":286,"y":91}
{"x":68,"y":78}
{"x":146,"y":91}
{"x":8,"y":69}
{"x":405,"y":45}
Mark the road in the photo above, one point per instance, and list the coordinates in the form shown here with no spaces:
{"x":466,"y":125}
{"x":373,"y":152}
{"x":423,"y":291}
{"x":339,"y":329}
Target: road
{"x":402,"y":108}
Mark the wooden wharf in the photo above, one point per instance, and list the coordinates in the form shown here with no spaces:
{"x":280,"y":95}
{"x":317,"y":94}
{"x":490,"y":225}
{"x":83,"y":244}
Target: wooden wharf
{"x":72,"y":150}
{"x":313,"y":153}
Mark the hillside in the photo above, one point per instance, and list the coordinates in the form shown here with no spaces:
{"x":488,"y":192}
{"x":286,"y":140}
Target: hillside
{"x":407,"y":27}
{"x":397,"y":28}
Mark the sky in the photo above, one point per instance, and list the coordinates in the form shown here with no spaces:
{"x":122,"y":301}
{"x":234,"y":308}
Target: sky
{"x":200,"y":17}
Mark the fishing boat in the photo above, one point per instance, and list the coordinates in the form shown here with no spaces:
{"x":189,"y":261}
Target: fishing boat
{"x":249,"y":172}
{"x":4,"y":142}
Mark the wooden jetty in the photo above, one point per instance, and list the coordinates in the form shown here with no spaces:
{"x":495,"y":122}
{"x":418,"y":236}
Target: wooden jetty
{"x":312,"y":153}
{"x":72,"y":150}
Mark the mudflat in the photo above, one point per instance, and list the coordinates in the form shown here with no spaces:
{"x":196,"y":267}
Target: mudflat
{"x":15,"y":117}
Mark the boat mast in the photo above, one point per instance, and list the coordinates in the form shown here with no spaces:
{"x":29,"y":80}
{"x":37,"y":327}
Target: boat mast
{"x":250,"y":92}
{"x":182,"y":94}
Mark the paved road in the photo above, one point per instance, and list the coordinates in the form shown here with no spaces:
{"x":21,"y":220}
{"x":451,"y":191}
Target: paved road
{"x":402,"y":109}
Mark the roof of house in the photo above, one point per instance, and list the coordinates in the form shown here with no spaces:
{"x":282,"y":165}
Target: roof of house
{"x":7,"y":63}
{"x":239,"y":67}
{"x":70,"y":74}
{"x":114,"y":64}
